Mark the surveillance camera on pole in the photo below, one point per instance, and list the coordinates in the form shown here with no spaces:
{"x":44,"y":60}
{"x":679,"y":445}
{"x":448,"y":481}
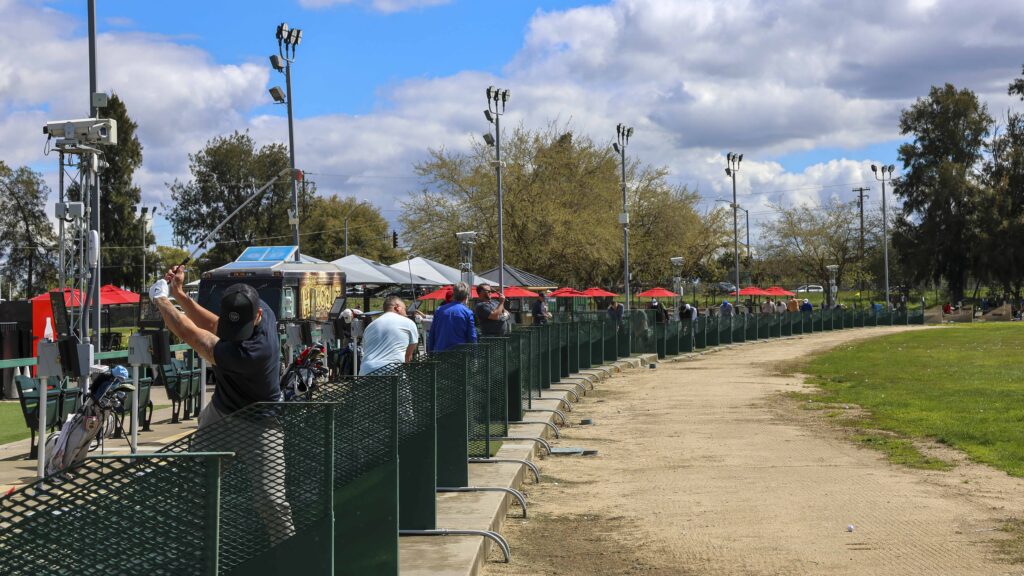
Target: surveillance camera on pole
{"x":102,"y":131}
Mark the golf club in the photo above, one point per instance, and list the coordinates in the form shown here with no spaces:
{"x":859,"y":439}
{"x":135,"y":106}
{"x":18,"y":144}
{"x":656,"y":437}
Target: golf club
{"x":254,"y":196}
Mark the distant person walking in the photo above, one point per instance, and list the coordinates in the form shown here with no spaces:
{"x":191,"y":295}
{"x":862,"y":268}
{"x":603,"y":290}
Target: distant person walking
{"x":806,"y":306}
{"x":453,"y":322}
{"x":540,"y":311}
{"x":792,"y":305}
{"x":389,"y":339}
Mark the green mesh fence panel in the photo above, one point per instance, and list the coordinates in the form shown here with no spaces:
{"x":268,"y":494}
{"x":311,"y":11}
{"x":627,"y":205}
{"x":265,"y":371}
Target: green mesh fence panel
{"x":154,"y":514}
{"x":554,"y":352}
{"x":544,"y":357}
{"x":514,"y":379}
{"x":687,"y":327}
{"x":478,"y":395}
{"x":816,"y":321}
{"x":826,"y":320}
{"x":672,"y":338}
{"x":900,"y":317}
{"x":712,"y":333}
{"x":537,"y":388}
{"x":417,"y":442}
{"x":525,"y":381}
{"x":660,"y":337}
{"x":775,"y":327}
{"x":916,"y":316}
{"x":573,"y":338}
{"x":498,"y":405}
{"x":752,"y":322}
{"x":786,"y":323}
{"x":700,"y":334}
{"x":365,"y":472}
{"x":583,"y":343}
{"x":623,"y":339}
{"x":563,"y":343}
{"x":641,"y":327}
{"x":725,"y":329}
{"x":277,"y":494}
{"x":452,"y":413}
{"x":611,"y":344}
{"x":739,"y":328}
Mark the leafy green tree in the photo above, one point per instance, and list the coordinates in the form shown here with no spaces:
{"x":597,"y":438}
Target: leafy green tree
{"x":369,"y":234}
{"x":561,"y":206}
{"x":225,"y":173}
{"x":938,"y":235}
{"x":1001,"y":219}
{"x":121,"y":230}
{"x":28,"y":253}
{"x":804,"y":240}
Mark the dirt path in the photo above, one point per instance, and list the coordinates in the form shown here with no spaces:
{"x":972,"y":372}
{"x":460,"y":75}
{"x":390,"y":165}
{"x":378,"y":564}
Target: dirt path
{"x":700,"y":471}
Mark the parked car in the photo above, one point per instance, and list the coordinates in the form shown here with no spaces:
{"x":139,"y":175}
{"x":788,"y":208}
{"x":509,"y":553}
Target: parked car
{"x":725,"y":287}
{"x":810,"y":288}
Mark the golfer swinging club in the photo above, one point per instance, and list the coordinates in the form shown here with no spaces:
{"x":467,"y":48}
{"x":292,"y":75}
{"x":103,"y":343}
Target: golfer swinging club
{"x":242,"y":347}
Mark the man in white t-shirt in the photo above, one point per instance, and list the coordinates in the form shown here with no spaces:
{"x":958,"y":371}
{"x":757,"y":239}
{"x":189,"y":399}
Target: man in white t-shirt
{"x":389,"y":339}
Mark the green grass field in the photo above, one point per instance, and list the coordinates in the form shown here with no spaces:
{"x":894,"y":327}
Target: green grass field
{"x":961,"y":386}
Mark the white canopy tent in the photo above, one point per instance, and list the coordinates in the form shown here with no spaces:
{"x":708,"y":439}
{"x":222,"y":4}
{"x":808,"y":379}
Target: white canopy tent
{"x":439,"y":273}
{"x":359,"y":270}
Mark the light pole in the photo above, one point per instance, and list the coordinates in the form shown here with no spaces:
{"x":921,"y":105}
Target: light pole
{"x":731,"y":168}
{"x":833,"y":289}
{"x":677,"y":281}
{"x":147,"y":219}
{"x":622,"y":136}
{"x":882,"y":175}
{"x":466,"y":242}
{"x":497,"y":98}
{"x":287,"y":41}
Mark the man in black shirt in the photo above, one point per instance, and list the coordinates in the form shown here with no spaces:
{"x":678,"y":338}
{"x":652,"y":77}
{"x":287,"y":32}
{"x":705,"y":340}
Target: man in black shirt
{"x":243,"y":348}
{"x":490,"y":314}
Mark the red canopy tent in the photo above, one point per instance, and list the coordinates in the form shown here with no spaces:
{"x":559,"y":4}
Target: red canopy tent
{"x":41,"y":309}
{"x":658,"y":292}
{"x":596,"y":292}
{"x":111,"y":294}
{"x":778,"y":291}
{"x":517,"y":292}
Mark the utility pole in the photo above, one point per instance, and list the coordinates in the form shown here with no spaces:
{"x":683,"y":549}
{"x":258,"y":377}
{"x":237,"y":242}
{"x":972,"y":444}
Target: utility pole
{"x":622,"y":135}
{"x":860,"y":203}
{"x":497,"y":98}
{"x":93,"y":188}
{"x":732,"y":167}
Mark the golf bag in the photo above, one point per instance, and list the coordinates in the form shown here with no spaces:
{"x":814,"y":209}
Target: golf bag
{"x":308,"y":368}
{"x":77,"y":437}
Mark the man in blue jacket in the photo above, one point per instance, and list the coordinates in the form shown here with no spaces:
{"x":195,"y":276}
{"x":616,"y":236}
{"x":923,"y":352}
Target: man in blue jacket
{"x":453,"y":322}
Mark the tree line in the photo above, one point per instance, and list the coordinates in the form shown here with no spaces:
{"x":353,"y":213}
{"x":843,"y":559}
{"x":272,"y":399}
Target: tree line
{"x":958,"y":215}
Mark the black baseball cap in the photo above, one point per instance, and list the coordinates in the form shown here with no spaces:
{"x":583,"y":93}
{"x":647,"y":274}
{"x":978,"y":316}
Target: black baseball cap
{"x":238,"y":309}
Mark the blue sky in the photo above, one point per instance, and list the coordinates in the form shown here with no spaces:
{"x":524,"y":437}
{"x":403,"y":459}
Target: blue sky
{"x":810,"y":93}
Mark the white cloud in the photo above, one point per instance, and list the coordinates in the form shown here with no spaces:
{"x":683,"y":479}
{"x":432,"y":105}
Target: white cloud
{"x":386,"y":6}
{"x":695,"y":78}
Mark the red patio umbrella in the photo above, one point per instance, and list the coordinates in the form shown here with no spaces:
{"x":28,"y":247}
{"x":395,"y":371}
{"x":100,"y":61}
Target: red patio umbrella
{"x":596,"y":292}
{"x":751,"y":291}
{"x":778,"y":291}
{"x":658,"y":292}
{"x":517,"y":292}
{"x":567,"y":293}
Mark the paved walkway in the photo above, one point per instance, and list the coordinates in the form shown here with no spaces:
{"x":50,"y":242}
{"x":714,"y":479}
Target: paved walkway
{"x":701,"y":472}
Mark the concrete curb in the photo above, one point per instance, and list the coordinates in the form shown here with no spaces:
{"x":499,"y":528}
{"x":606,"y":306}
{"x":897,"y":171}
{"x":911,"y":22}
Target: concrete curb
{"x":465,"y":555}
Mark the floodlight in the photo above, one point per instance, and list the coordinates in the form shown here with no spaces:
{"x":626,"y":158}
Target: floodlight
{"x":728,"y":157}
{"x":489,"y":139}
{"x":891,"y":168}
{"x":504,"y":96}
{"x":490,"y":92}
{"x":489,"y":116}
{"x":278,"y":95}
{"x":298,"y":36}
{"x":874,"y":168}
{"x":676,"y":260}
{"x":728,"y":171}
{"x":629,"y":132}
{"x":277,"y":63}
{"x":282,"y":31}
{"x":740,"y":159}
{"x":618,"y":129}
{"x":615,"y":145}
